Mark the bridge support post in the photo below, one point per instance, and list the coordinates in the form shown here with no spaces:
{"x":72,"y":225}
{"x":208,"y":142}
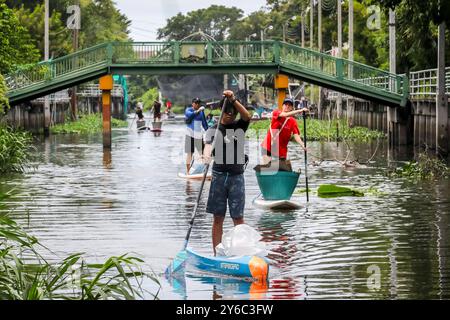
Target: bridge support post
{"x":106,"y":85}
{"x":281,"y":84}
{"x":442,"y":132}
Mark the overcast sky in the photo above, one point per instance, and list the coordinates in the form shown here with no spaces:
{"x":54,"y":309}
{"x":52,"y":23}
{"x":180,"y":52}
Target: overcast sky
{"x":149,"y":15}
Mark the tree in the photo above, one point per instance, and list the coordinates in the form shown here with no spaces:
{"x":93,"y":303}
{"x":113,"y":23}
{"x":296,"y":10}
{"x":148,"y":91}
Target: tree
{"x":16,"y":46}
{"x":4,"y":105}
{"x":33,"y":20}
{"x":102,"y":22}
{"x":215,"y":21}
{"x":254,"y":23}
{"x":417,"y":23}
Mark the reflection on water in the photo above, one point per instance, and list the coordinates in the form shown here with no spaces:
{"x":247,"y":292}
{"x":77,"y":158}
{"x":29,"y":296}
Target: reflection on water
{"x":394,"y":244}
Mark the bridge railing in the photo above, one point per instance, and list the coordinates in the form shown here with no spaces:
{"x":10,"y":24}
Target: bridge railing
{"x":193,"y":52}
{"x":64,"y":66}
{"x":342,"y":69}
{"x":424,"y":83}
{"x":308,"y":59}
{"x":142,"y":52}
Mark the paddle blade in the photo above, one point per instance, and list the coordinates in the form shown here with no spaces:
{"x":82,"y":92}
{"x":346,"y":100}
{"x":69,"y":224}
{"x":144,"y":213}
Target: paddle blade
{"x":177,"y":264}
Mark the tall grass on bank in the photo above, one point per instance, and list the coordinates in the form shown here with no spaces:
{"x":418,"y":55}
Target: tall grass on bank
{"x":26,"y":275}
{"x":91,"y":123}
{"x":15,"y":147}
{"x":324,"y":130}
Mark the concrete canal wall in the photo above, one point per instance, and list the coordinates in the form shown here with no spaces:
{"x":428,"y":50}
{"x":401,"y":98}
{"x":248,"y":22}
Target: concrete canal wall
{"x":30,"y":116}
{"x":414,"y":124}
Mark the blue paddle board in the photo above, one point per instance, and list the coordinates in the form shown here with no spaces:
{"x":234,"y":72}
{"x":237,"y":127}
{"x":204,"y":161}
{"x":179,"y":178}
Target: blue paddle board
{"x":245,"y":266}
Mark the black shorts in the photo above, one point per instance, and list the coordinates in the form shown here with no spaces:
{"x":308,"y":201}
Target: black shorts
{"x":190,"y":144}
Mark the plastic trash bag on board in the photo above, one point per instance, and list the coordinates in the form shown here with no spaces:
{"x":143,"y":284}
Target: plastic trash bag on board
{"x":242,"y":240}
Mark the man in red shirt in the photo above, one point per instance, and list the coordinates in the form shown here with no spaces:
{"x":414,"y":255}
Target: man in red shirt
{"x":283,"y":126}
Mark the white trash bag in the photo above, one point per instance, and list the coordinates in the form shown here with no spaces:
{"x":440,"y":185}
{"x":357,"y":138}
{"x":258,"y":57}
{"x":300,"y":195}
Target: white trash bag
{"x":242,"y":240}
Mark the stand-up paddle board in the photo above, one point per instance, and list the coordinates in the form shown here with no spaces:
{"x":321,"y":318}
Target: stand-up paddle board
{"x":277,"y":204}
{"x":198,"y":176}
{"x":244,"y":266}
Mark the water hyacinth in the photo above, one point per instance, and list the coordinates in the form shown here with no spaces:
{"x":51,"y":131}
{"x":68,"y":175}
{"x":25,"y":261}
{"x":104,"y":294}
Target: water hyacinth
{"x":91,"y":123}
{"x":426,"y":167}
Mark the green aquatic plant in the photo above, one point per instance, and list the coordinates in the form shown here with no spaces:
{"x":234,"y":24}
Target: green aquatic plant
{"x":332,"y":191}
{"x":15,"y":150}
{"x":372,"y":191}
{"x":73,"y":278}
{"x":323,"y":130}
{"x":91,"y":123}
{"x":425,"y":167}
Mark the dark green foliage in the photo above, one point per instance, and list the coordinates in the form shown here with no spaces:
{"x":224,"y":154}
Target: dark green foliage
{"x":4,"y":104}
{"x":16,"y":46}
{"x":417,"y":23}
{"x":14,"y":150}
{"x":322,"y":130}
{"x":215,"y":21}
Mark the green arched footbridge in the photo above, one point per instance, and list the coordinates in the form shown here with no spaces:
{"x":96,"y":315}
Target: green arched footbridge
{"x":156,"y":58}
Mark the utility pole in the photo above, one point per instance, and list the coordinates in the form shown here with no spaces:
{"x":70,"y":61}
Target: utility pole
{"x":319,"y":31}
{"x":350,"y":102}
{"x":47,"y":115}
{"x":350,"y":31}
{"x":303,"y":29}
{"x":392,"y":69}
{"x":311,"y":40}
{"x":339,"y":98}
{"x":442,"y":132}
{"x":75,"y":44}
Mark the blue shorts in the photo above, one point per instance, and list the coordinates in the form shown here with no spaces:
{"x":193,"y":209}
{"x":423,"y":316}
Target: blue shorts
{"x":226,"y":188}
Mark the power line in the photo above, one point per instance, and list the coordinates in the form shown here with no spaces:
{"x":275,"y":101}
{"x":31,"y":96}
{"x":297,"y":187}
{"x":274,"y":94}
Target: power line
{"x":142,"y":29}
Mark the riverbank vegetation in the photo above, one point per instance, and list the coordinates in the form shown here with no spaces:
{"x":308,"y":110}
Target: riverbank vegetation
{"x":72,"y":278}
{"x":15,"y":150}
{"x":89,"y":123}
{"x":426,"y":167}
{"x":324,"y":130}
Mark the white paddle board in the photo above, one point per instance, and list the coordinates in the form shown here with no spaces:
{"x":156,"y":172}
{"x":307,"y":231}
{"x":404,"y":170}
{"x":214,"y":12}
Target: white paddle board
{"x":277,"y":204}
{"x":194,"y":176}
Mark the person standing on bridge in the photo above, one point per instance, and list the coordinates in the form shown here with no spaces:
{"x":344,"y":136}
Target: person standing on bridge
{"x":195,"y":123}
{"x":281,"y":129}
{"x":227,"y":184}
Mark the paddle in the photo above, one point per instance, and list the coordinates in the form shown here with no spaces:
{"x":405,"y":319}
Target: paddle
{"x":132,"y":122}
{"x":181,"y":257}
{"x":306,"y":157}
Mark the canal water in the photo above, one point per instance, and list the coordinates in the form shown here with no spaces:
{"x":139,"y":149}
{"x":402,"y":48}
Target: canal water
{"x":391,"y":244}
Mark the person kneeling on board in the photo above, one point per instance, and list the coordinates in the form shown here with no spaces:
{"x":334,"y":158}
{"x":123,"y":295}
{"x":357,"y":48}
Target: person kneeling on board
{"x":282,"y":127}
{"x":195,"y":120}
{"x":227,"y":184}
